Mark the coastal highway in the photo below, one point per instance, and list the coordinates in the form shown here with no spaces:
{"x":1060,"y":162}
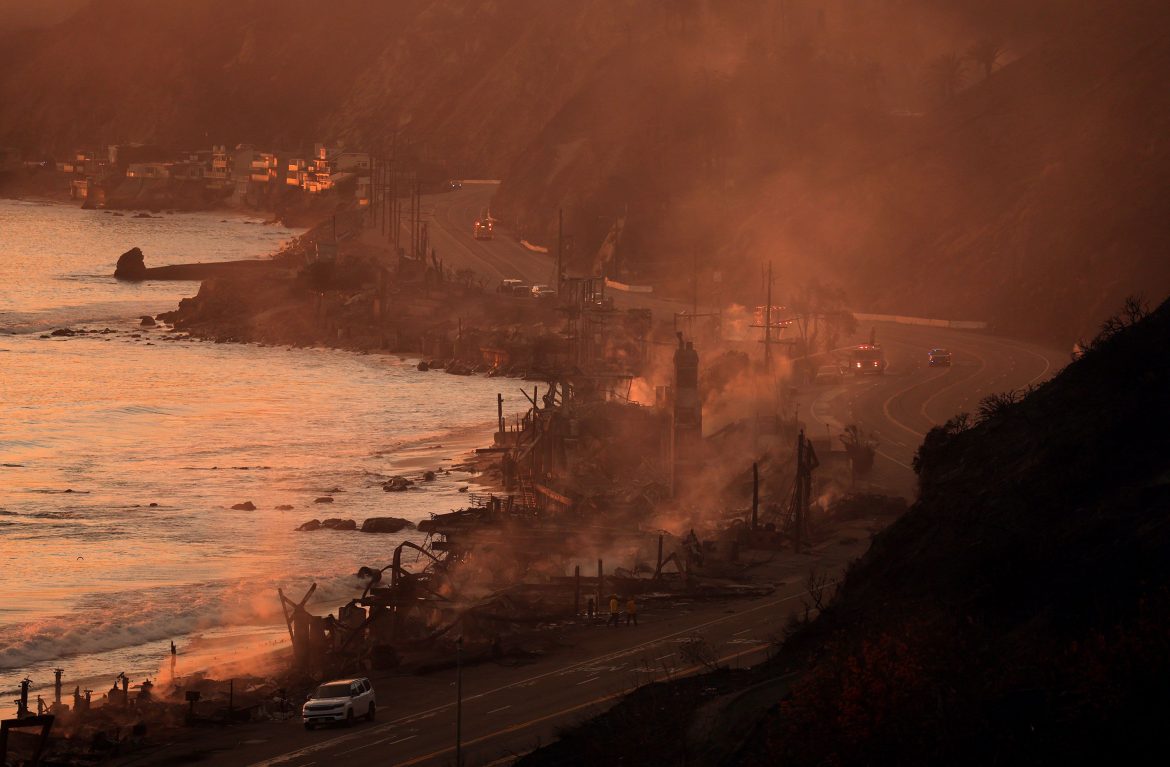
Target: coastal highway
{"x":896,"y":409}
{"x":511,"y":708}
{"x":450,"y":216}
{"x":449,"y":226}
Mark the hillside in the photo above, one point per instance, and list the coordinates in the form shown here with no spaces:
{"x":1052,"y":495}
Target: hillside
{"x":820,"y":135}
{"x":20,"y":15}
{"x":1016,"y":614}
{"x":1028,"y":199}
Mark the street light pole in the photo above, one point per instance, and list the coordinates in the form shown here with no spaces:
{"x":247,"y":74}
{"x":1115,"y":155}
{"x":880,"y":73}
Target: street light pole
{"x":459,"y":702}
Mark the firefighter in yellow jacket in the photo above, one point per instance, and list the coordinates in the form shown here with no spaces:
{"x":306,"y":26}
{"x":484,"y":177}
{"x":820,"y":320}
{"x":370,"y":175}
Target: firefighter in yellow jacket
{"x":614,"y":611}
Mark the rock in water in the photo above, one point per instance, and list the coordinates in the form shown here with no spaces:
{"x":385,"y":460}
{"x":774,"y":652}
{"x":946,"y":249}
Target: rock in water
{"x":323,"y":499}
{"x":284,"y":507}
{"x":428,"y":476}
{"x":339,"y":524}
{"x":245,"y":506}
{"x":131,"y":265}
{"x":147,"y":321}
{"x":423,"y":366}
{"x":385,"y":525}
{"x":397,"y":485}
{"x":311,"y":525}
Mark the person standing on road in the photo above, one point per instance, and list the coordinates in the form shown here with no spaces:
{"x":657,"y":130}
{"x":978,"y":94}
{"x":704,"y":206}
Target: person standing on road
{"x":591,"y":609}
{"x":614,"y":613}
{"x":631,"y":611}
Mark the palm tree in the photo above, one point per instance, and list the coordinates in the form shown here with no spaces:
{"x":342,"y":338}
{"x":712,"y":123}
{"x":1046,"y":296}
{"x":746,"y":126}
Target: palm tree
{"x":986,"y":53}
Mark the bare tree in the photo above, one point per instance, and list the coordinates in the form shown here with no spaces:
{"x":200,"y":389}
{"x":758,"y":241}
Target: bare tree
{"x":821,"y":317}
{"x":699,"y":652}
{"x":817,"y":584}
{"x":986,"y":53}
{"x":860,"y":449}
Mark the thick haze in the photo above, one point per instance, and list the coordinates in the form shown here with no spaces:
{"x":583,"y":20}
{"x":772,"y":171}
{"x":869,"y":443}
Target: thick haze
{"x":859,"y":143}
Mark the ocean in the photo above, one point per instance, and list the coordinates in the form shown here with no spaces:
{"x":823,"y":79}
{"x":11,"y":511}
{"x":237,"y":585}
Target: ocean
{"x":121,"y":455}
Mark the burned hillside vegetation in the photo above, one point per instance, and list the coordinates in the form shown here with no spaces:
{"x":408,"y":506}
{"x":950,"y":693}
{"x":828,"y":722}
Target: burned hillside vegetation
{"x":1017,"y":613}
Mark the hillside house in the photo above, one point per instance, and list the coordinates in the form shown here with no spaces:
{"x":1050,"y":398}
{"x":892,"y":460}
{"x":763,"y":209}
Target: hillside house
{"x":219,"y":171}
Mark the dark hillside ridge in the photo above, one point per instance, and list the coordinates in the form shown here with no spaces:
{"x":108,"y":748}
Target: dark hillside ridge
{"x":1018,"y":613}
{"x":808,"y":133}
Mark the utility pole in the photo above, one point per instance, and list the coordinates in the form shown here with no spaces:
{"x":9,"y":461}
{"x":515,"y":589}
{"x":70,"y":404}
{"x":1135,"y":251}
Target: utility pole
{"x":417,"y":217}
{"x":459,"y":702}
{"x":768,"y":325}
{"x":396,"y":214}
{"x":755,"y":496}
{"x":694,"y":288}
{"x":390,"y":204}
{"x":560,"y":249}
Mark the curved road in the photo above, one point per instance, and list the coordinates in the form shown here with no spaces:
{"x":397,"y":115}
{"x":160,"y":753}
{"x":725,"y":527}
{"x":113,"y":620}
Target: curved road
{"x":897,"y":408}
{"x":508,"y":711}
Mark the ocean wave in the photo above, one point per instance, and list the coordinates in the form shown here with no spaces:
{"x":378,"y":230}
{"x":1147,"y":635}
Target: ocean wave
{"x":108,"y":622}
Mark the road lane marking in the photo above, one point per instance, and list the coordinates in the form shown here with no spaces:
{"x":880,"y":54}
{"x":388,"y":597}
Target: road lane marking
{"x":953,"y":384}
{"x":565,"y":711}
{"x":501,"y":708}
{"x":374,"y":743}
{"x":507,"y":760}
{"x":741,"y":632}
{"x":889,"y":457}
{"x":281,"y":759}
{"x":587,"y":681}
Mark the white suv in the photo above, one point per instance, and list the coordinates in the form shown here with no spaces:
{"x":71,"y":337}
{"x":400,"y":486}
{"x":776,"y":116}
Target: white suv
{"x":342,"y":700}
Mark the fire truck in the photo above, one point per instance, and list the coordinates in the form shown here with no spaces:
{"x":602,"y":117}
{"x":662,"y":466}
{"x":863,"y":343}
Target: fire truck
{"x":867,"y":358}
{"x":484,"y":227}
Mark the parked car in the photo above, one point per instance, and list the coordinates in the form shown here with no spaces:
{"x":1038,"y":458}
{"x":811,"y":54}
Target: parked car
{"x":342,"y":700}
{"x":540,"y":291}
{"x":508,"y":287}
{"x":939,"y":358}
{"x":454,"y":184}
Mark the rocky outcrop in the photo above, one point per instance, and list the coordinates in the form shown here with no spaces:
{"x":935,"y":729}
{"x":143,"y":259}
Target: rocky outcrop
{"x":332,"y":523}
{"x":147,"y":321}
{"x":131,"y":266}
{"x":386,"y":525}
{"x":397,"y":485}
{"x":245,"y":506}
